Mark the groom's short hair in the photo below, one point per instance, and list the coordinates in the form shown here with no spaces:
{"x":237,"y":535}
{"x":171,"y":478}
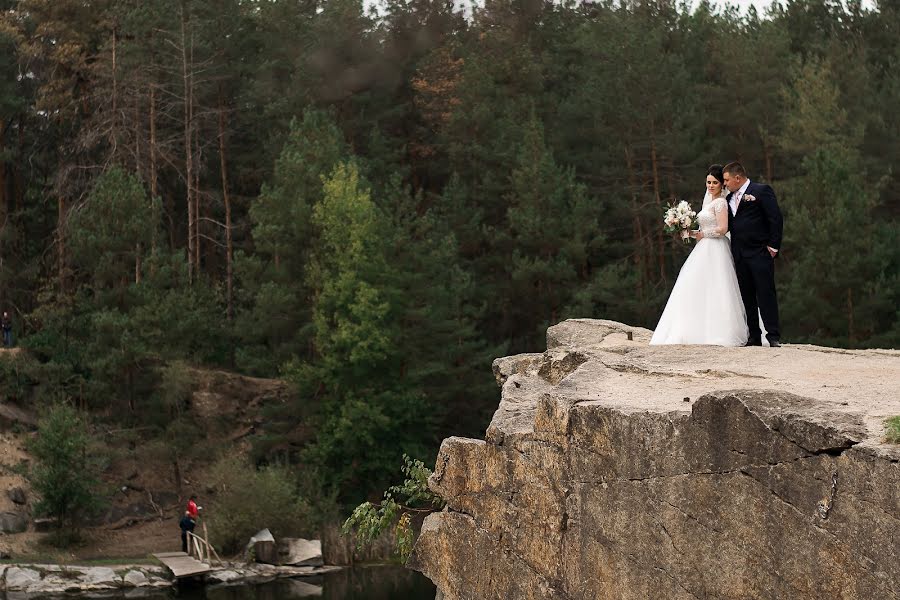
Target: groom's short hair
{"x":735,"y":168}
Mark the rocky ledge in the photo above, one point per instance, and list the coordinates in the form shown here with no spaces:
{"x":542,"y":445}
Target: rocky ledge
{"x":33,"y":581}
{"x":615,"y":470}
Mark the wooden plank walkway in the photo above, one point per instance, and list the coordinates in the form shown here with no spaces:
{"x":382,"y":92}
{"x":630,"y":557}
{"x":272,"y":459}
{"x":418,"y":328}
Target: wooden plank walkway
{"x":181,"y":564}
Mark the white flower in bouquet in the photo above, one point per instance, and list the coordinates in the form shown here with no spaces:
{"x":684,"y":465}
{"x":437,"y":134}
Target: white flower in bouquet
{"x":679,"y":218}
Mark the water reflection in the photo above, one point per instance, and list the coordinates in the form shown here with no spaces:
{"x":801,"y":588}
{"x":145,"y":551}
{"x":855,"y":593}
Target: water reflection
{"x":358,"y":583}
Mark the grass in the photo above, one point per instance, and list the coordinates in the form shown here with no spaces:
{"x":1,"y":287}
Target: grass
{"x":892,"y":430}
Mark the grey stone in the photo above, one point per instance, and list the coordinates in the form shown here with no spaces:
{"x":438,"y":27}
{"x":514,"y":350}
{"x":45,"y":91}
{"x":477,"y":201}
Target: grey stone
{"x":17,"y":495}
{"x":298,"y":551}
{"x":100,"y":576}
{"x":597,"y":480}
{"x":223,"y":576}
{"x":21,"y":578}
{"x":11,"y":522}
{"x":135,"y":578}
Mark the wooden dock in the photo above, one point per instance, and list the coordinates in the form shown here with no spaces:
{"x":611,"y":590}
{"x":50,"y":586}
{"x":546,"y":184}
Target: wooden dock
{"x":181,"y":564}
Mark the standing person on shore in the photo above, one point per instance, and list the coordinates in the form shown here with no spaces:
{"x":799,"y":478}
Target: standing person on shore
{"x":6,"y":326}
{"x":189,"y":521}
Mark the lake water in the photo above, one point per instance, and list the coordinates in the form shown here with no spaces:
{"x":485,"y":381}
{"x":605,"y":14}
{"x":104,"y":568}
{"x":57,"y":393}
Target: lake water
{"x":356,"y":583}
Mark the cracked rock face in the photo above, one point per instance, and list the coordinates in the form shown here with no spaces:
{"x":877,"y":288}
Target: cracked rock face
{"x":615,"y":470}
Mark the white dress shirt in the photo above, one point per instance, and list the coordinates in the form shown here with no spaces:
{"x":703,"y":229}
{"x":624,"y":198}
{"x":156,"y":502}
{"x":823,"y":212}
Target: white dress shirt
{"x":736,"y":200}
{"x":736,"y":197}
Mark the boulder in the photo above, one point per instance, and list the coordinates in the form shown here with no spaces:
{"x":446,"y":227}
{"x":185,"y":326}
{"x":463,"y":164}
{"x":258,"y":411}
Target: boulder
{"x":135,"y":579}
{"x":16,"y":494}
{"x":261,"y":548}
{"x":596,"y":480}
{"x":12,"y":522}
{"x":300,"y":552}
{"x":21,"y":578}
{"x":223,"y":576}
{"x":99,"y":577}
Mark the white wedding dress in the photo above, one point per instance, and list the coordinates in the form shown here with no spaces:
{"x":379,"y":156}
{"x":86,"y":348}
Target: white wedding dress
{"x":705,"y":306}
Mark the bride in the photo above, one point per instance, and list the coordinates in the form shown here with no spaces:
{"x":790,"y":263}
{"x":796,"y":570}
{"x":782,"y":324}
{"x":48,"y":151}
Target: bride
{"x":705,"y":306}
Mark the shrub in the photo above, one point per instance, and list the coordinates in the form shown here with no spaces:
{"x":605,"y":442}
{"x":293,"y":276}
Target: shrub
{"x":400,"y":503}
{"x":892,"y":430}
{"x":249,"y":499}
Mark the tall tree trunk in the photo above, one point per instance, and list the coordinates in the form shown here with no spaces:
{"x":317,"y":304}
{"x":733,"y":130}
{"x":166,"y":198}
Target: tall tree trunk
{"x":139,"y":168}
{"x":199,"y":207}
{"x":637,"y":229}
{"x":19,"y":184}
{"x":657,"y":195}
{"x":188,"y":141}
{"x":226,"y":198}
{"x":851,"y":330}
{"x":4,"y":203}
{"x":229,"y":243}
{"x":152,"y":150}
{"x":113,"y":131}
{"x":61,"y":242}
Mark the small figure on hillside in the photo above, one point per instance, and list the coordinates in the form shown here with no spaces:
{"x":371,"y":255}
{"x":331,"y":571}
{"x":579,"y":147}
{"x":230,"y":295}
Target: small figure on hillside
{"x":6,"y":326}
{"x":189,"y":521}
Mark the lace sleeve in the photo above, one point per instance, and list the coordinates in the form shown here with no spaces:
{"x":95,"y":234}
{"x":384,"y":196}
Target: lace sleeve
{"x":718,"y":205}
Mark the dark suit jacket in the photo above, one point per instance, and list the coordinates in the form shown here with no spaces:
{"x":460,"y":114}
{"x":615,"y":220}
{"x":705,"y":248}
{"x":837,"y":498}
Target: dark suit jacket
{"x":757,"y":224}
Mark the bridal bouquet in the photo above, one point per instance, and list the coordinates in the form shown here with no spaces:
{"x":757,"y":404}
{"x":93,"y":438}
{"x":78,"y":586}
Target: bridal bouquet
{"x":679,"y":218}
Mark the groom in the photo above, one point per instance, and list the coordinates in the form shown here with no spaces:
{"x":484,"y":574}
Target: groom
{"x":755,"y":222}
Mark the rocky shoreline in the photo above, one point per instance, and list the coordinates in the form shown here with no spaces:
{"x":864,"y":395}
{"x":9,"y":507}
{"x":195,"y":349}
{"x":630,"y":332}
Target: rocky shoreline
{"x":42,"y":580}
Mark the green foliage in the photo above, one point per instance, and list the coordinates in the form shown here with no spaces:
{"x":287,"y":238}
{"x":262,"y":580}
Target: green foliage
{"x":275,"y":313}
{"x":369,"y":520}
{"x":892,"y":430}
{"x":410,"y":194}
{"x":364,"y":396}
{"x":64,"y":474}
{"x":113,"y":230}
{"x":836,"y":289}
{"x":19,"y":374}
{"x":248,"y":499}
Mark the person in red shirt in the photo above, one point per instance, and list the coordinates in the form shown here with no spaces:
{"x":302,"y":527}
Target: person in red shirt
{"x":188,"y":521}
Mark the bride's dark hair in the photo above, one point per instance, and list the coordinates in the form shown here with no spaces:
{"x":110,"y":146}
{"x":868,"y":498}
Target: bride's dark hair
{"x":717,"y":172}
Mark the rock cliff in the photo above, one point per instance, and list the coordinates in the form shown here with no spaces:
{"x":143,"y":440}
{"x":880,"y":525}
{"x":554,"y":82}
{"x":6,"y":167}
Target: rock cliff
{"x":615,"y":470}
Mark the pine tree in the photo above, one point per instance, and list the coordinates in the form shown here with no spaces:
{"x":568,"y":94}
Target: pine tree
{"x":63,"y":475}
{"x":364,"y":398}
{"x":275,"y":278}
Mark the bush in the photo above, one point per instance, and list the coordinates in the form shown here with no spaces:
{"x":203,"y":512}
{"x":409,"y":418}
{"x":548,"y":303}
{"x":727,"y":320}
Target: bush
{"x":892,"y":430}
{"x":17,"y":376}
{"x":249,"y":499}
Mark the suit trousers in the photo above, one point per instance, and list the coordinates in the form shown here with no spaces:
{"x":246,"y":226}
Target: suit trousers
{"x":756,"y":278}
